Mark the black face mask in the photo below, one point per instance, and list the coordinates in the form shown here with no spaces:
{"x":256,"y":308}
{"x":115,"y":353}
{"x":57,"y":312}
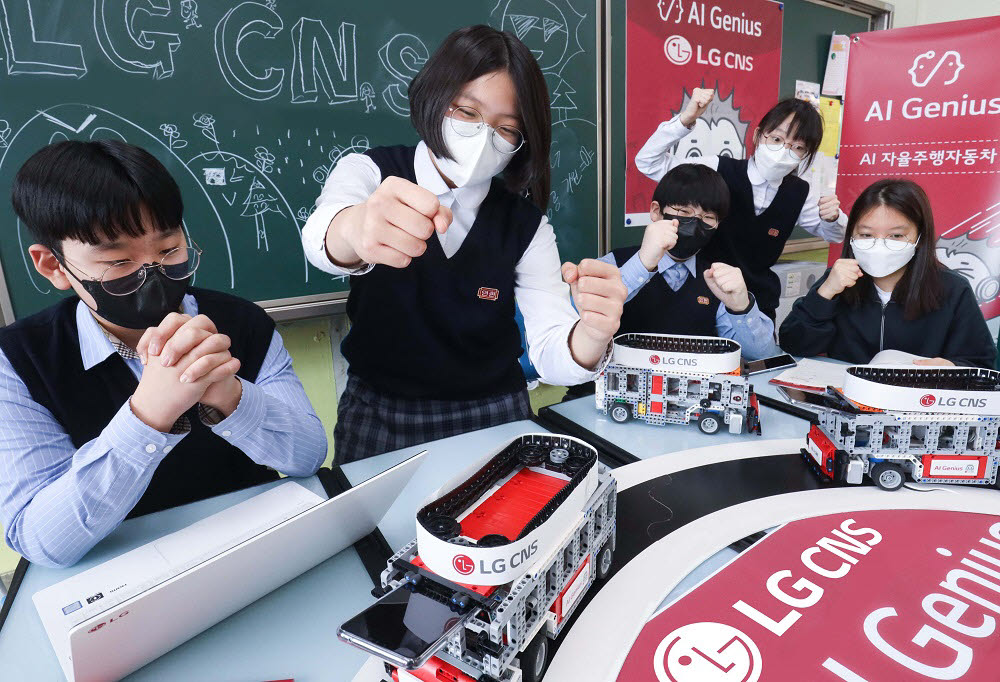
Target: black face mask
{"x":155,"y":299}
{"x":693,"y":234}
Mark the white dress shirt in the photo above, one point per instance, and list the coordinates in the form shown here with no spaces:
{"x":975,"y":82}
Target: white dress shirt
{"x":653,"y":161}
{"x":543,"y":297}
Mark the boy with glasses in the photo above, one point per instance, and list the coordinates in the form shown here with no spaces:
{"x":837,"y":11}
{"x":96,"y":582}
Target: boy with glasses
{"x":672,"y":288}
{"x":140,"y":392}
{"x":768,"y":199}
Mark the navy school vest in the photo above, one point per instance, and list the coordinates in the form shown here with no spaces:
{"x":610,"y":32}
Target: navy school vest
{"x":752,"y":242}
{"x":444,"y":328}
{"x":658,"y":309}
{"x":44,"y":349}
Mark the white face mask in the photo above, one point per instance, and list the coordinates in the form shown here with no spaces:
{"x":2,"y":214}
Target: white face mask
{"x":474,"y":158}
{"x":878,"y":260}
{"x":775,"y":165}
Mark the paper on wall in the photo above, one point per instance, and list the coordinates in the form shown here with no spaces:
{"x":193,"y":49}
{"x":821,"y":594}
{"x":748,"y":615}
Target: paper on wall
{"x":829,"y":111}
{"x":808,"y":91}
{"x":835,"y":78}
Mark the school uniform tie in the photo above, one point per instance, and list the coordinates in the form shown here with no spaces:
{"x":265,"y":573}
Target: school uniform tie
{"x":676,"y":275}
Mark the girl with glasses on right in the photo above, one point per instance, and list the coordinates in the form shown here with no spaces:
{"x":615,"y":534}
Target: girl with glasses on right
{"x":889,"y":291}
{"x":768,"y":198}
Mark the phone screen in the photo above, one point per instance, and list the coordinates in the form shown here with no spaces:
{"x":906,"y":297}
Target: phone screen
{"x":795,"y":395}
{"x":768,"y":364}
{"x":405,"y":627}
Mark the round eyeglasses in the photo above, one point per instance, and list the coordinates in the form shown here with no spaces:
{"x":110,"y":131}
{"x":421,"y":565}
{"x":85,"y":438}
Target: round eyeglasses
{"x":126,"y":277}
{"x":709,"y":219}
{"x":776,"y":142}
{"x":891,"y":243}
{"x":467,"y":122}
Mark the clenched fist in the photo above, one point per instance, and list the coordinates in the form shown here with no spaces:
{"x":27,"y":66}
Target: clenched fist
{"x":844,"y":274}
{"x":728,"y":285}
{"x":390,"y":228}
{"x":700,"y":99}
{"x":829,"y":208}
{"x":659,"y":238}
{"x":599,"y":296}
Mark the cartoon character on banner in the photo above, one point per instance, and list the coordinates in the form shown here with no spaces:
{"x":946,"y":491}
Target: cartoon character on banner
{"x":718,"y":132}
{"x":972,"y":249}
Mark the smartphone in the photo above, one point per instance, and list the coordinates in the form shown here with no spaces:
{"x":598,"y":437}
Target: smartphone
{"x":799,"y":397}
{"x":404,"y":627}
{"x":769,"y":364}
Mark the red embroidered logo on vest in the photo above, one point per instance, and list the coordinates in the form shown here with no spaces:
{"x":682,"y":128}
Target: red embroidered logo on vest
{"x":773,"y":232}
{"x":488,"y":294}
{"x":703,"y":300}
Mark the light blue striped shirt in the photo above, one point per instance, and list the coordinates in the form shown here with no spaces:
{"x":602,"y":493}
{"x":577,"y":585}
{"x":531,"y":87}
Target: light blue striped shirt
{"x":57,"y":501}
{"x":753,"y":330}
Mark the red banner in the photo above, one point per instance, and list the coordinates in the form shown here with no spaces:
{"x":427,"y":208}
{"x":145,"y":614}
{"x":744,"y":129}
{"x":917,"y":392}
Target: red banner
{"x":861,"y":597}
{"x":924,"y":103}
{"x":674,"y":46}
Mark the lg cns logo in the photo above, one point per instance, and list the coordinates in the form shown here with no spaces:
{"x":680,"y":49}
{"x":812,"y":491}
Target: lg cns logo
{"x":707,"y":652}
{"x":928,"y":65}
{"x":654,"y":359}
{"x":678,"y":50}
{"x":463,"y":564}
{"x":952,"y":401}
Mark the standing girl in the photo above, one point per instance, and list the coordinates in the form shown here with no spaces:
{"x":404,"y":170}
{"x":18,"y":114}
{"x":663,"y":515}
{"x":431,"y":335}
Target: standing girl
{"x":438,"y":248}
{"x":767,"y":199}
{"x":889,"y":291}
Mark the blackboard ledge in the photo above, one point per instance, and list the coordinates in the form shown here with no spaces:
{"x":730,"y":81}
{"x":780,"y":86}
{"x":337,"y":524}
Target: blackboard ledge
{"x":305,"y":307}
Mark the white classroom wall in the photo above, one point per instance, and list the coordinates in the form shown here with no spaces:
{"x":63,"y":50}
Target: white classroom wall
{"x":917,"y":12}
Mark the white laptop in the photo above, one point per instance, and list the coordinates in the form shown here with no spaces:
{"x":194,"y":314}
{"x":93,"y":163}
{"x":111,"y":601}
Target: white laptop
{"x":111,"y":620}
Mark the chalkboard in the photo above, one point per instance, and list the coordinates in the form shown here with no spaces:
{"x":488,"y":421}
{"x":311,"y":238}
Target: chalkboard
{"x":805,"y":41}
{"x":250,"y":104}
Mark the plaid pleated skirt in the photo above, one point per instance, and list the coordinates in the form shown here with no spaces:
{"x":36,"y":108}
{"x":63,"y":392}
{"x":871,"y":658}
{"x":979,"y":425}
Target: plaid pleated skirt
{"x":370,"y":422}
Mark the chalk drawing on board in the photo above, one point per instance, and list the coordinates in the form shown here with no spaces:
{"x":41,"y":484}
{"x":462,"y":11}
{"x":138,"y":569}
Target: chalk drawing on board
{"x":255,"y":203}
{"x":189,"y":14}
{"x":109,"y":124}
{"x":215,"y":177}
{"x":4,"y":133}
{"x":550,"y":30}
{"x":238,"y":24}
{"x":264,"y":160}
{"x":26,"y":54}
{"x":206,"y":124}
{"x":173,"y":135}
{"x":258,"y":202}
{"x":359,"y":145}
{"x":402,"y":56}
{"x":68,"y":126}
{"x":130,"y":49}
{"x":563,"y":107}
{"x":368,"y":96}
{"x":319,"y":63}
{"x":548,"y":27}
